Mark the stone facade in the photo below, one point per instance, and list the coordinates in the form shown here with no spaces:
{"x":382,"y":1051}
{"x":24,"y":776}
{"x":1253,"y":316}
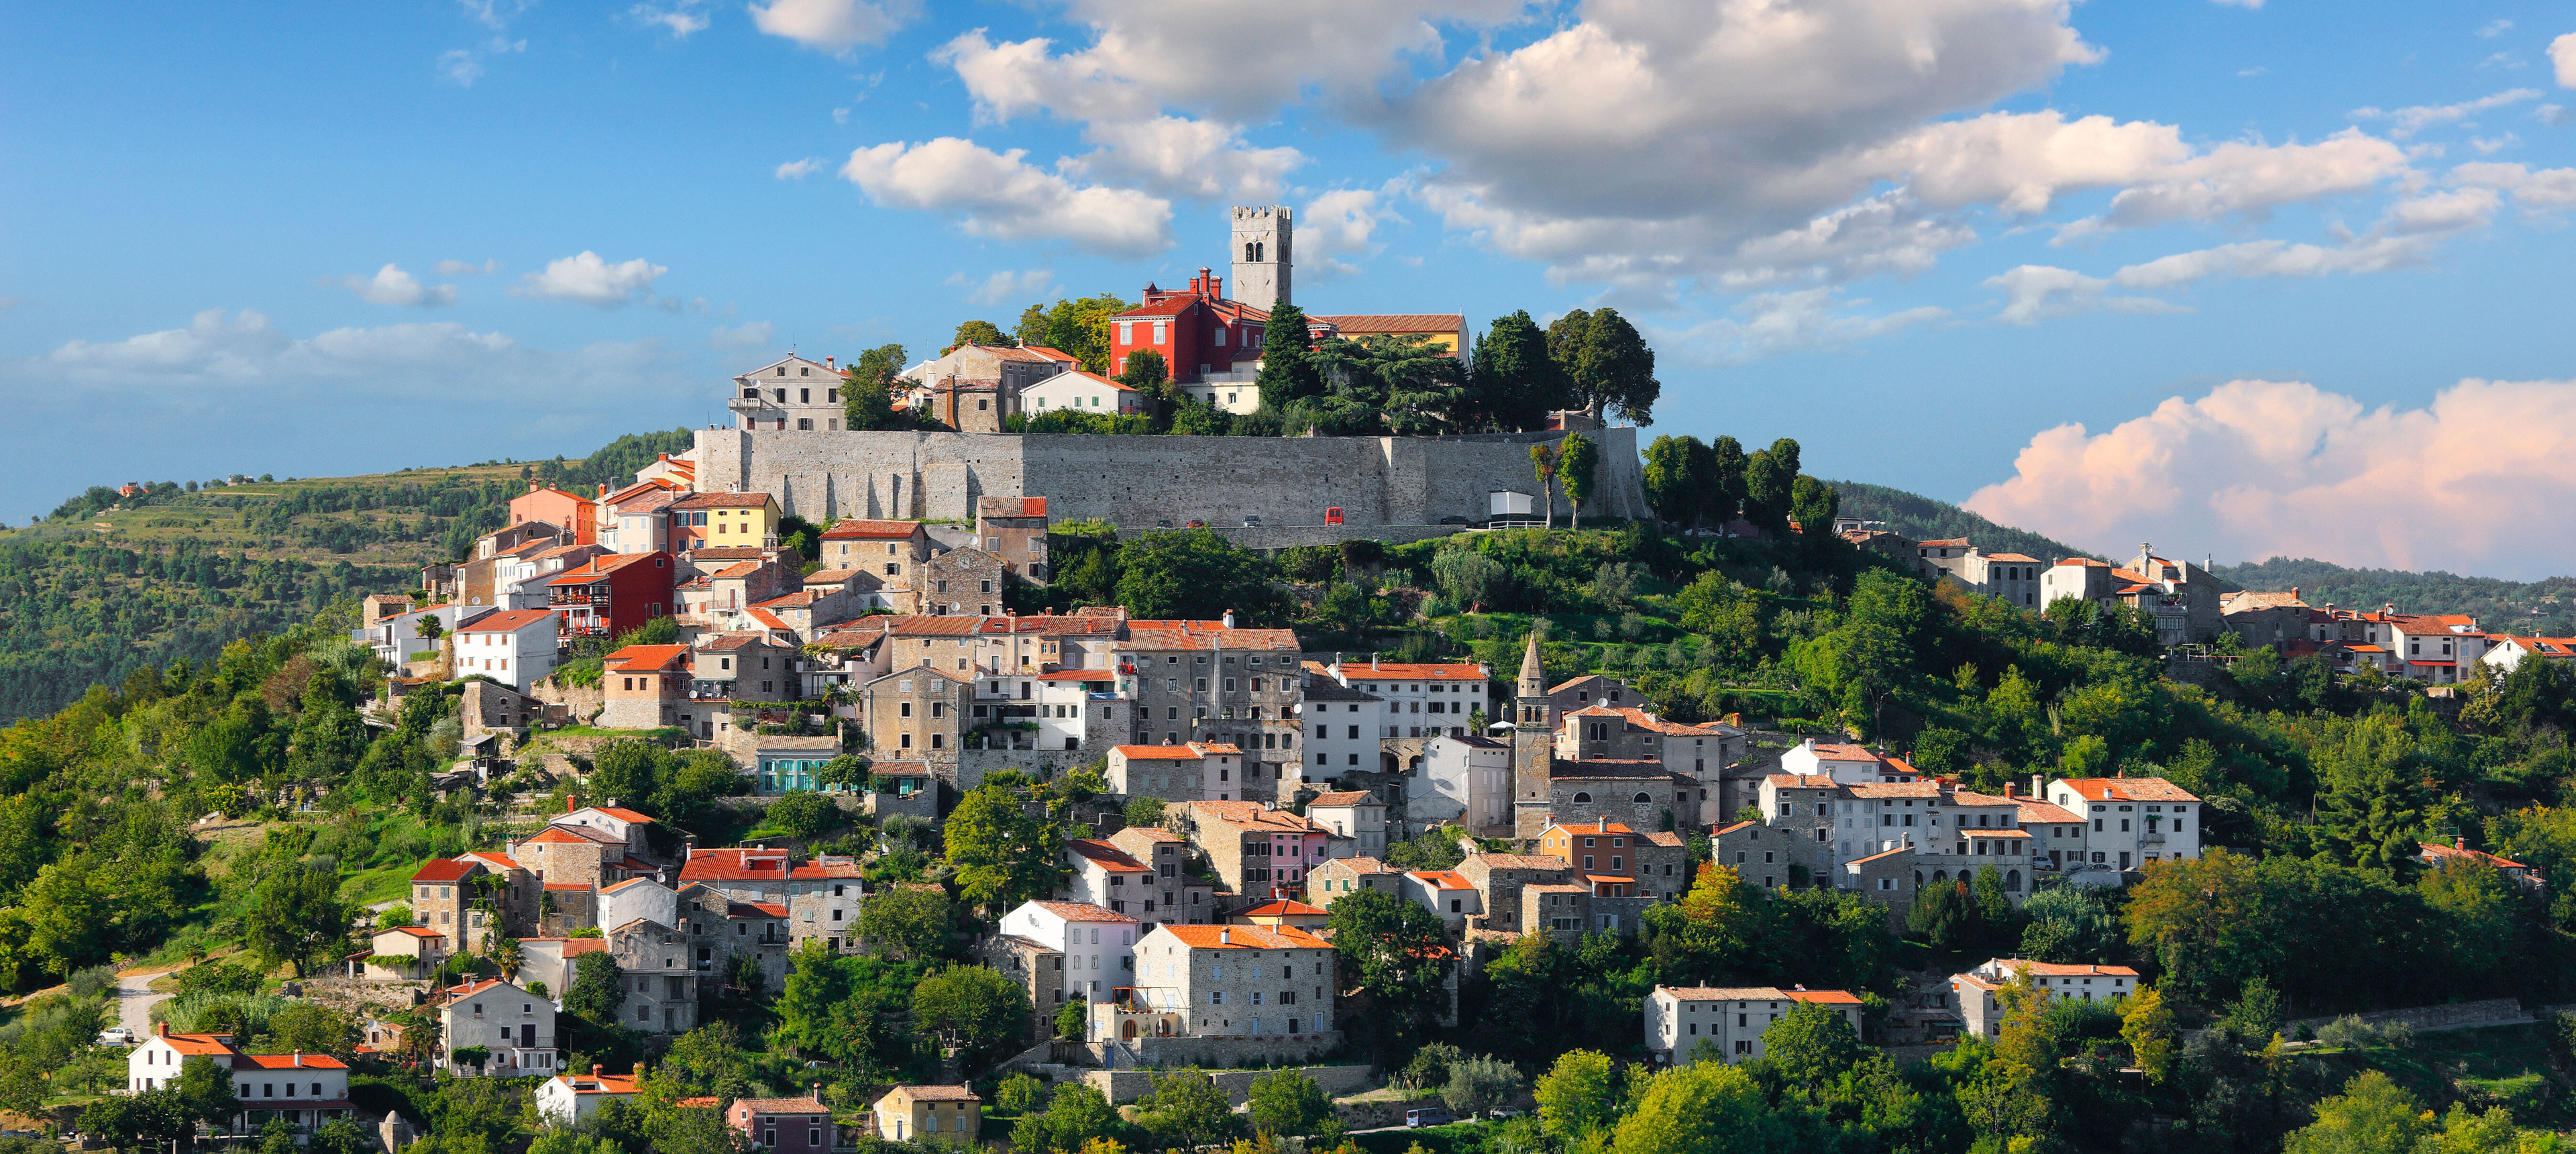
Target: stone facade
{"x":959,"y":582}
{"x":1499,"y":879}
{"x":1124,"y":1086}
{"x":916,"y":714}
{"x":661,"y":991}
{"x":1638,"y":794}
{"x":1138,"y":480}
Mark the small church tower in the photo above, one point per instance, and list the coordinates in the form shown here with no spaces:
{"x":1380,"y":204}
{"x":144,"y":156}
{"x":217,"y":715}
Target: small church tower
{"x":1533,"y":746}
{"x":1261,"y":237}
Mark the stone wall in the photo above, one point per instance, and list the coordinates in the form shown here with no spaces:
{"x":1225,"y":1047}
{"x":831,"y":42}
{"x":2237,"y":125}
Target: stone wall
{"x":1215,"y":1052}
{"x":1135,"y":481}
{"x":1124,"y":1086}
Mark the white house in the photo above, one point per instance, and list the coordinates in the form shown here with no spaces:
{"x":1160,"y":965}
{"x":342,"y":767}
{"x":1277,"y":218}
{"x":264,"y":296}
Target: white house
{"x":1983,"y":1014}
{"x":1197,"y":771}
{"x":1066,"y":702}
{"x":1679,"y":1019}
{"x":424,"y":947}
{"x":1446,"y":893}
{"x":1106,"y":876}
{"x":566,"y":1099}
{"x":307,"y":1090}
{"x":2435,"y":648}
{"x":1080,"y":390}
{"x":1423,"y":699}
{"x":2505,"y":652}
{"x":1846,"y":764}
{"x":1356,"y":819}
{"x":515,"y":1028}
{"x":1467,"y":779}
{"x":2133,"y":820}
{"x":515,"y":647}
{"x":1343,"y":726}
{"x":638,"y":898}
{"x":1097,"y":943}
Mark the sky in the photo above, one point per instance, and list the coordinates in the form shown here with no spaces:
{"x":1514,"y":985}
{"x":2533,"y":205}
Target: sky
{"x":2242,"y":279}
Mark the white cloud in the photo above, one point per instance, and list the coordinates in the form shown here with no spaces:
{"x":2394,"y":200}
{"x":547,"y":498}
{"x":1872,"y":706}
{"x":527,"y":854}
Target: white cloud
{"x":2562,"y":54}
{"x":2036,"y":291}
{"x":2539,"y":192}
{"x":998,"y":195}
{"x":393,"y":286}
{"x":2489,"y":146}
{"x":834,"y":26}
{"x":243,"y":348}
{"x":463,"y":66}
{"x":586,"y":279}
{"x":1005,"y":286}
{"x":2258,"y":469}
{"x":747,"y":335}
{"x":493,"y":14}
{"x":464,"y":268}
{"x":680,"y":18}
{"x":2407,"y":122}
{"x":1345,"y":220}
{"x":1177,"y":156}
{"x":2248,"y":181}
{"x":1772,"y":324}
{"x":2553,"y":115}
{"x":799,"y":169}
{"x":2494,"y":28}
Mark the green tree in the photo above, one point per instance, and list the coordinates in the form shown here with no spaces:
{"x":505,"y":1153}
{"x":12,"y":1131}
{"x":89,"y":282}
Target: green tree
{"x":1397,"y":952}
{"x":1515,"y":383}
{"x":1143,"y":811}
{"x":1607,"y":365}
{"x":1286,"y":1102}
{"x":803,"y":813}
{"x":1813,"y":504}
{"x":1702,"y":1108}
{"x":1578,"y":465}
{"x":1191,"y":574}
{"x":1812,"y":1045}
{"x":1725,"y":480}
{"x":1403,"y":385}
{"x":2372,"y":1116}
{"x":1001,"y":855}
{"x":2148,"y":1027}
{"x":312,"y":1028}
{"x":984,"y":333}
{"x":1543,"y":461}
{"x":1077,"y":1116}
{"x":1945,"y":915}
{"x":1576,"y":1095}
{"x":2256,"y":1014}
{"x":974,"y":1012}
{"x":1288,"y":373}
{"x":1073,"y":1019}
{"x":1019,"y":1093}
{"x":2066,"y":924}
{"x":296,"y":915}
{"x":868,"y":389}
{"x":1769,"y":477}
{"x":1186,"y":1111}
{"x":913,"y":921}
{"x":598,"y":988}
{"x":1677,"y":479}
{"x":1146,"y":373}
{"x":1477,"y":1085}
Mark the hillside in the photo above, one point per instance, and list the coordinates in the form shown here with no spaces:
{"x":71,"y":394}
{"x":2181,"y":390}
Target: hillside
{"x":2546,"y":607}
{"x":108,"y":584}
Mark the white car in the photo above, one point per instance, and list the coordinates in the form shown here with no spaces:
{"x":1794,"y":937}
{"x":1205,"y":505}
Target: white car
{"x":116,"y":1036}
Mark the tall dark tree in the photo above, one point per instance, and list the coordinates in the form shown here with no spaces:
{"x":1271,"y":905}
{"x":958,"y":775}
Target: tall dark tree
{"x":868,"y":389}
{"x":1146,"y":372}
{"x":1725,"y":480}
{"x":1813,"y":505}
{"x":1401,"y":385}
{"x":1677,"y":479}
{"x":1608,"y":367}
{"x":1579,"y":466}
{"x":1288,"y":372}
{"x":984,"y":333}
{"x":1515,"y":381}
{"x":1769,"y":475}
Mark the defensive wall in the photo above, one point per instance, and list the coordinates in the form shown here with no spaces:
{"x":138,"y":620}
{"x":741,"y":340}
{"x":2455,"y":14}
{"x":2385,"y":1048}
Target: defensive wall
{"x":1403,"y":485}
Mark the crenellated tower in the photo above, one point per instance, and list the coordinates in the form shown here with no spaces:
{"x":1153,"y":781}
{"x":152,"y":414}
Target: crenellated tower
{"x":1261,"y":240}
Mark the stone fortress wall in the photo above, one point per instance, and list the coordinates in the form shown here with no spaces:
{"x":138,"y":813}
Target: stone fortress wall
{"x":1383,"y":485}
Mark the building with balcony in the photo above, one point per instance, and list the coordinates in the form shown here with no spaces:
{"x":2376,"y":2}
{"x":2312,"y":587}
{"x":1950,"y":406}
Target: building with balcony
{"x":516,"y":647}
{"x":792,"y":393}
{"x":609,"y":595}
{"x":2131,"y":821}
{"x":514,"y":1029}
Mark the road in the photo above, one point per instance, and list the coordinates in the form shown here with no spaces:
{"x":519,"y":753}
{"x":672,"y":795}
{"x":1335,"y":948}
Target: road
{"x":135,"y":998}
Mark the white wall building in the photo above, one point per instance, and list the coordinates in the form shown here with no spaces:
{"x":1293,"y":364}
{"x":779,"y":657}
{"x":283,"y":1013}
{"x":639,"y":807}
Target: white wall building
{"x":1467,"y":779}
{"x":1106,"y":876}
{"x":515,"y":647}
{"x":566,"y":1099}
{"x":1343,"y":727}
{"x":1422,"y":699}
{"x":638,"y":898}
{"x":516,"y":1027}
{"x":1098,"y":945}
{"x":1679,"y":1019}
{"x":1082,"y":391}
{"x":1217,"y":981}
{"x":1982,"y":1013}
{"x":1356,"y":819}
{"x":2133,"y":820}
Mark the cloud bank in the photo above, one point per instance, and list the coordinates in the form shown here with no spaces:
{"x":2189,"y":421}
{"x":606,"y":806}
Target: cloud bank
{"x":2479,"y":481}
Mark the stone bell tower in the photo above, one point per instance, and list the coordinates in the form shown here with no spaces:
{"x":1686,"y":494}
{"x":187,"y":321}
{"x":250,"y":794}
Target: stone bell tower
{"x":1261,"y":238}
{"x":1533,"y":745}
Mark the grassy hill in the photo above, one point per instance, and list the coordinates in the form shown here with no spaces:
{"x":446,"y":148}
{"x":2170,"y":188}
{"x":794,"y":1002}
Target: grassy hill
{"x":1925,"y":519}
{"x":107,"y":584}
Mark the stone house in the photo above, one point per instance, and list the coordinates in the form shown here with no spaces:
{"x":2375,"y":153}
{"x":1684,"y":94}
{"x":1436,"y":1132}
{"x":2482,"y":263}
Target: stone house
{"x":917,"y":714}
{"x":791,"y":393}
{"x":1700,"y":753}
{"x":1446,"y":893}
{"x":721,"y":928}
{"x":824,"y":896}
{"x":1728,"y":1020}
{"x":886,"y":550}
{"x":1014,"y":529}
{"x":2134,"y":820}
{"x":1265,"y":984}
{"x":1884,"y":879}
{"x":1341,"y":875}
{"x":1257,"y":852}
{"x":471,"y":896}
{"x":516,"y":1027}
{"x":662,"y":990}
{"x":786,"y":1125}
{"x":1498,"y":879}
{"x":959,"y":582}
{"x":1356,"y":819}
{"x":1174,"y":772}
{"x":422,"y":947}
{"x":1209,"y":681}
{"x":1463,"y":779}
{"x":1638,"y":793}
{"x":744,"y":667}
{"x":930,"y":1114}
{"x":1097,"y":945}
{"x":648,"y":687}
{"x":1105,"y":875}
{"x":1179,"y":897}
{"x":1624,"y":871}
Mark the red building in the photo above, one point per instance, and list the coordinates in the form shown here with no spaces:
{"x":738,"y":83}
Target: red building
{"x":1198,"y":332}
{"x":606,"y":596}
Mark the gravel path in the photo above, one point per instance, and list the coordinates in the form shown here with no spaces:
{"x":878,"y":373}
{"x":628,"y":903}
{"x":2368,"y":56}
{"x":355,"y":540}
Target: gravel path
{"x":135,"y":998}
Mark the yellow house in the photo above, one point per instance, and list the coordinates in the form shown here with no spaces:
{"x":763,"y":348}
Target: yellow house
{"x":930,"y":1114}
{"x":1444,"y":331}
{"x":741,"y":519}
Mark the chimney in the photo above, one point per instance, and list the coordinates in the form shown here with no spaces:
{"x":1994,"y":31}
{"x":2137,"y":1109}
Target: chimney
{"x":532,"y":486}
{"x":2459,"y":842}
{"x":161,"y":1028}
{"x":2035,"y":788}
{"x":2008,"y":791}
{"x":1372,"y":660}
{"x":1224,"y":937}
{"x":829,"y":363}
{"x":571,"y":800}
{"x":299,"y":1059}
{"x":2294,"y":593}
{"x":596,"y":1069}
{"x":818,"y":1093}
{"x":1229,"y":619}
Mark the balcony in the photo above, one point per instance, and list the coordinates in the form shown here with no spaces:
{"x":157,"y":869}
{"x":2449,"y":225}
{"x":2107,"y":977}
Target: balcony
{"x":751,"y":405}
{"x":580,"y":596}
{"x":2152,"y":836}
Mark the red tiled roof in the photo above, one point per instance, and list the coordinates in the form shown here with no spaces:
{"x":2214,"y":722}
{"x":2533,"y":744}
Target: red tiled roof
{"x":767,"y":618}
{"x":857,"y":528}
{"x":1163,"y":636}
{"x":1344,"y":797}
{"x":1012,"y":506}
{"x":1246,"y":938}
{"x":2128,"y":789}
{"x":1159,"y":752}
{"x":1082,"y":912}
{"x":1283,"y":908}
{"x":591,"y":571}
{"x":805,"y":1105}
{"x":726,"y":865}
{"x":647,"y":658}
{"x":441,"y":870}
{"x":1106,"y":856}
{"x":938,"y":1093}
{"x":599,"y":1083}
{"x":1366,"y":323}
{"x":722,"y":501}
{"x":1443,"y":879}
{"x":505,"y":621}
{"x":1422,"y":671}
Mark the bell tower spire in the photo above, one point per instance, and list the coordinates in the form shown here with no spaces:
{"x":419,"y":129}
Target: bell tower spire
{"x":1533,"y":744}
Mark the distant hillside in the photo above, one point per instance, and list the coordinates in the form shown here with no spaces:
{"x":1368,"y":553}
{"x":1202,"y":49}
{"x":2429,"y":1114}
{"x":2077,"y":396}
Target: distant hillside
{"x":1925,"y":519}
{"x":2546,"y":607}
{"x":107,"y":584}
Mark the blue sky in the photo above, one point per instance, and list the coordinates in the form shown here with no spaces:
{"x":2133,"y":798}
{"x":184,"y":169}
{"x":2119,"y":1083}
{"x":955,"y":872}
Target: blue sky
{"x":2299,"y":271}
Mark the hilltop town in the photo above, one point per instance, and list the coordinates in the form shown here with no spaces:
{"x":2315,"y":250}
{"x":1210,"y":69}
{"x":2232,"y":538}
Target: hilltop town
{"x":930,"y":759}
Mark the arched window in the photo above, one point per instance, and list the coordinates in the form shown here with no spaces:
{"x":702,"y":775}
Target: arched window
{"x":1644,"y":799}
{"x":1918,"y":877}
{"x":2012,"y":880}
{"x":1940,"y":875}
{"x":1582,"y":799}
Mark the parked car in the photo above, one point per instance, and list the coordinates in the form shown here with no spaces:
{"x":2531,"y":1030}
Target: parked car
{"x":1453,"y":519}
{"x":1501,"y":1114}
{"x":1197,"y":523}
{"x":1163,"y":524}
{"x":1252,"y":520}
{"x":1427,"y":1116}
{"x":116,"y":1036}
